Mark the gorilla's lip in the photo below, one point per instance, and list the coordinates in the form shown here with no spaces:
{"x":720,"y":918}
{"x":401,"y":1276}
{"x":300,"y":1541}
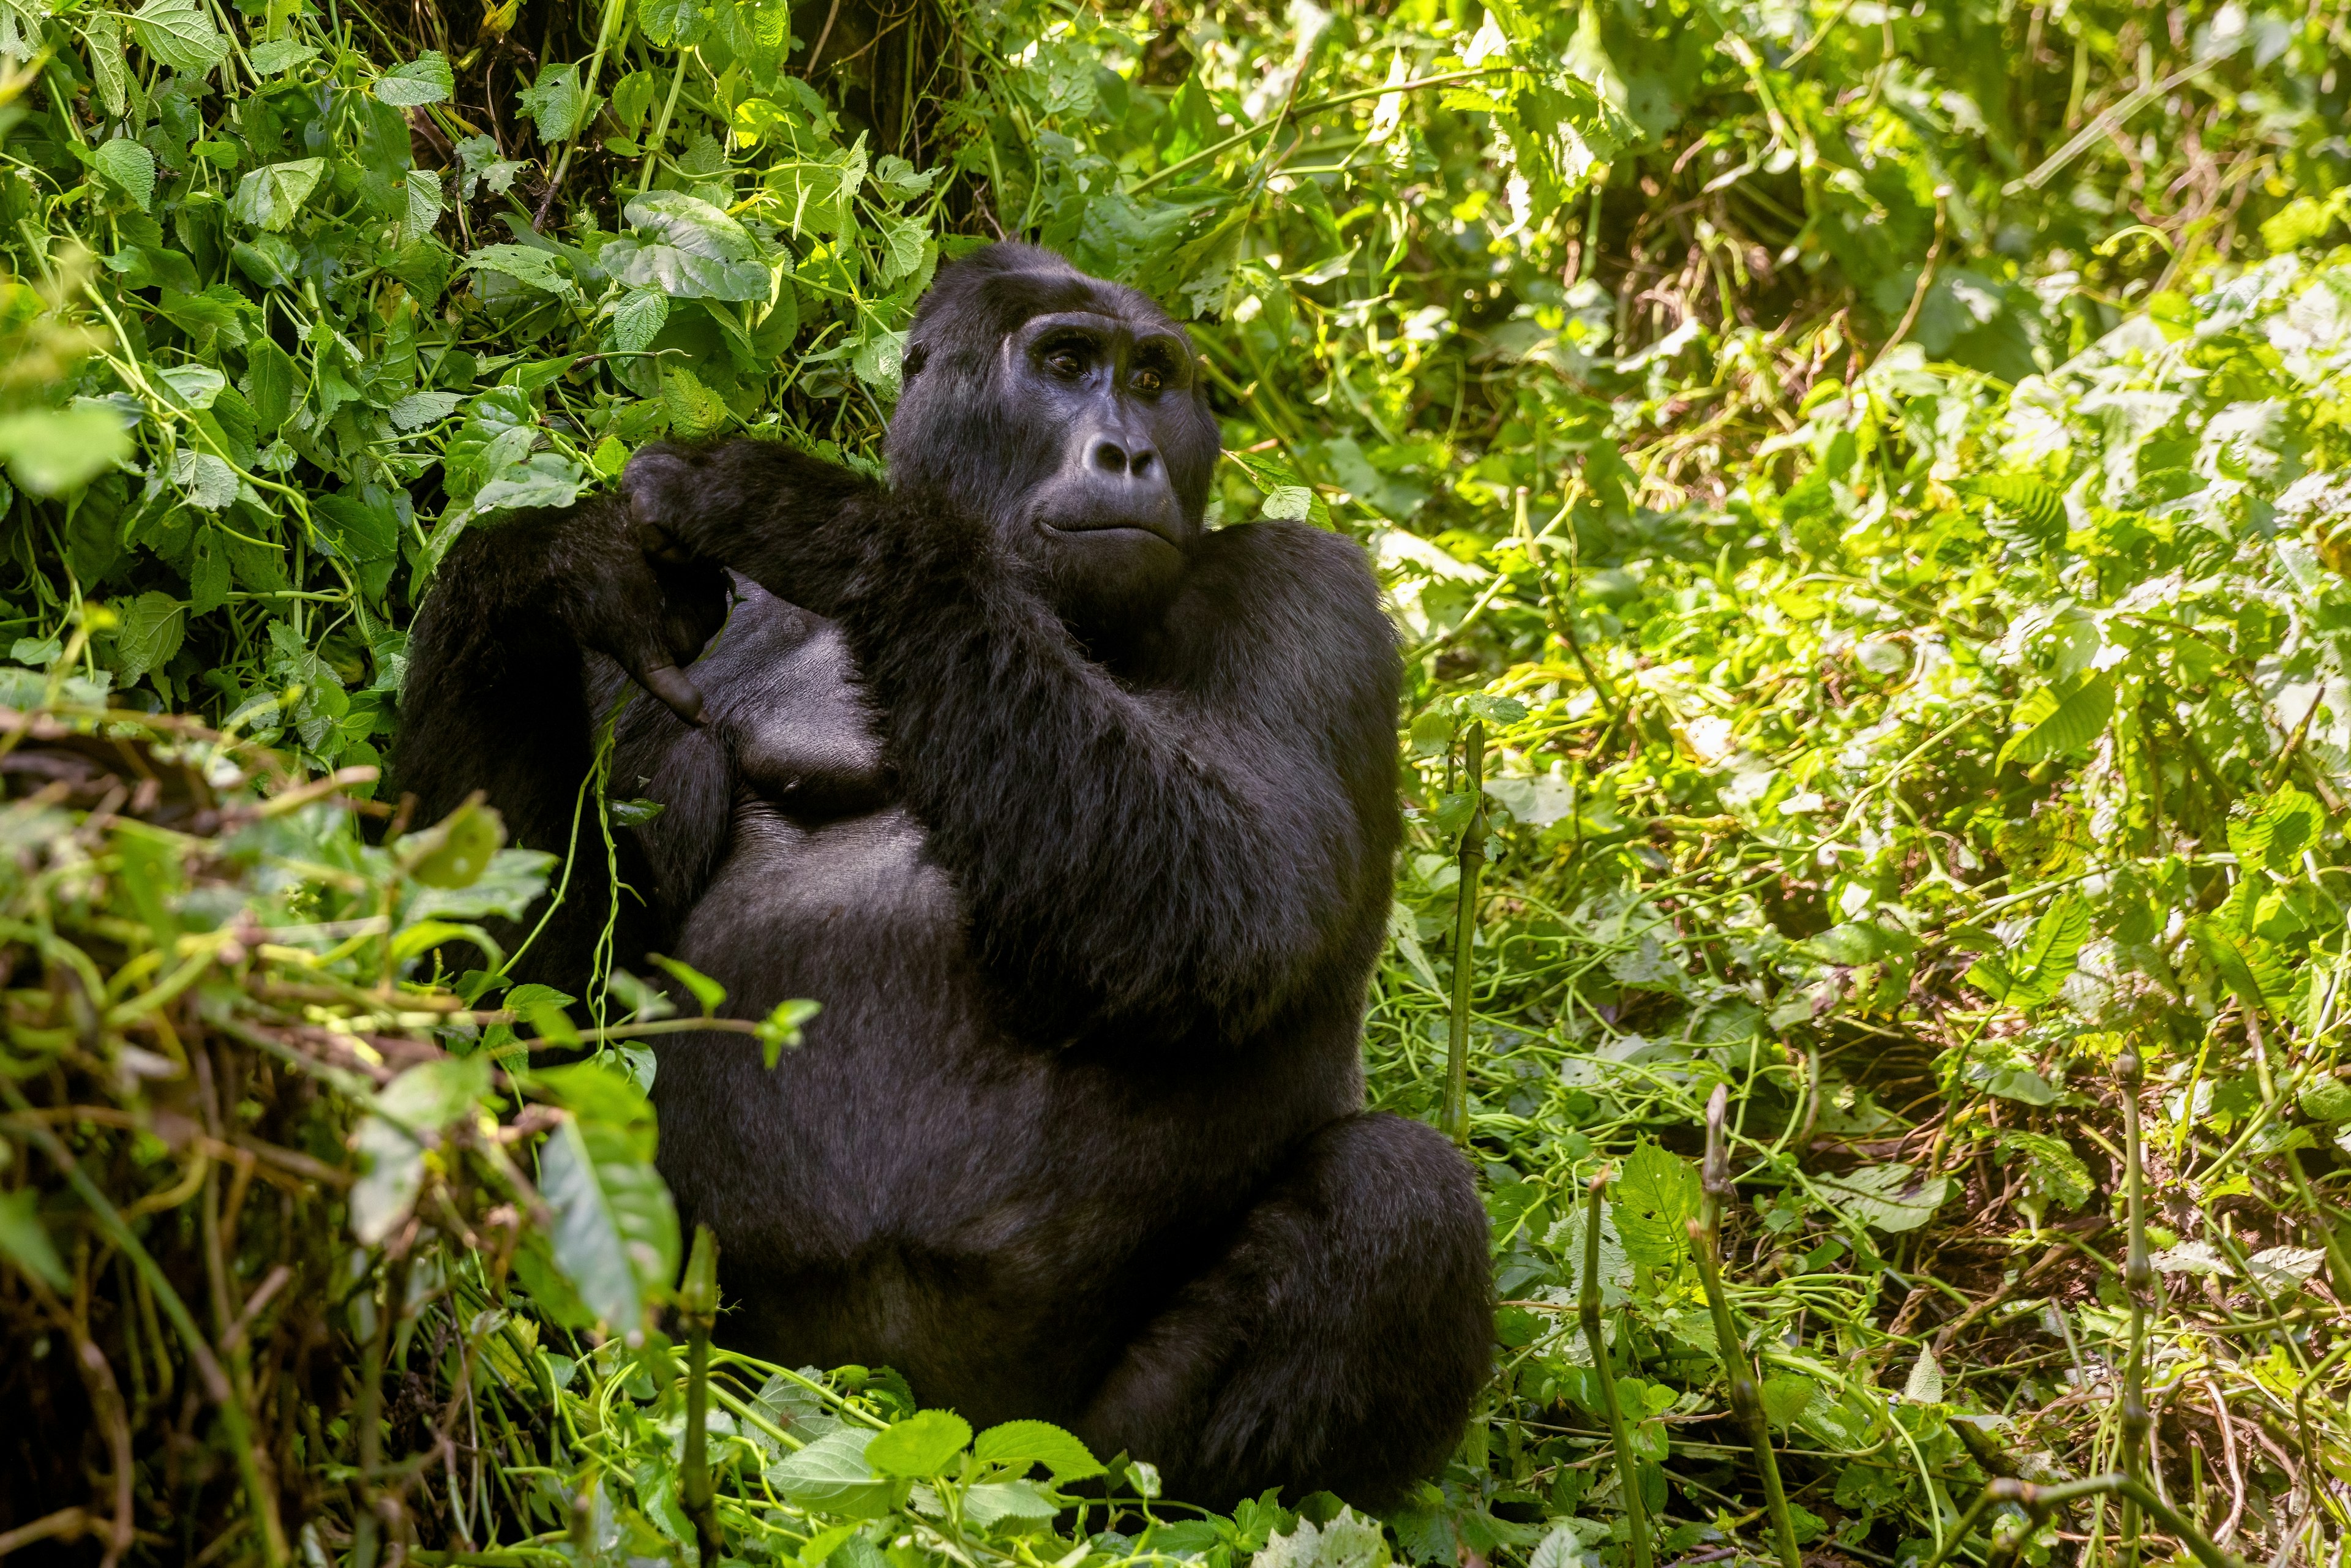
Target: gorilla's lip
{"x":1148,"y":528}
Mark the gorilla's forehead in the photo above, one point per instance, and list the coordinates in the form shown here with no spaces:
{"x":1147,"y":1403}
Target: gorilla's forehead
{"x":1003,"y":302}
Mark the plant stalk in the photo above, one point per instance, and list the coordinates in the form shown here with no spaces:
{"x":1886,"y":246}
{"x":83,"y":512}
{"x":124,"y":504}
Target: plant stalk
{"x":1587,"y":1310}
{"x":2139,"y":1279}
{"x":2036,"y":1501}
{"x":1746,"y":1392}
{"x":1455,"y":1111}
{"x":699,"y":1305}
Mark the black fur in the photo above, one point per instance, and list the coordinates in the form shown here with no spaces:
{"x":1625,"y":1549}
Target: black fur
{"x":1081,"y":835}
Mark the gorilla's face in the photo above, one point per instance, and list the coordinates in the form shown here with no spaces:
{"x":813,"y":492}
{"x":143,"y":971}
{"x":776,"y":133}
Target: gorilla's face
{"x":1070,"y":412}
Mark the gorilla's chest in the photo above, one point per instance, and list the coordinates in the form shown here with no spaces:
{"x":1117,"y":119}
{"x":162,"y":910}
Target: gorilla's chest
{"x":822,"y":871}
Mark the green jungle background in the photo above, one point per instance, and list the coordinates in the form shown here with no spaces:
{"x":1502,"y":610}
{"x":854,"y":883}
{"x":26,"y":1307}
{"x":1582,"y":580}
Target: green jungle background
{"x":1864,"y":488}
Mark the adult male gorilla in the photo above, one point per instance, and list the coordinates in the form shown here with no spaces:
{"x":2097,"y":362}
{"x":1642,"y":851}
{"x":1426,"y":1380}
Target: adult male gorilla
{"x":1078,"y":821}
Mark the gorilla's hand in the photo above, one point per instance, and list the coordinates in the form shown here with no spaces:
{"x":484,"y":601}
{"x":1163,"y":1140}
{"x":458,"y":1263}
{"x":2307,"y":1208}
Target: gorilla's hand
{"x":632,"y":593}
{"x":781,"y":517}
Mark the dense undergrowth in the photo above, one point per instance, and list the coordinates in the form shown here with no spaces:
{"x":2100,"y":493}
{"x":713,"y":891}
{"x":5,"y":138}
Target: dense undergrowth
{"x":1869,"y":484}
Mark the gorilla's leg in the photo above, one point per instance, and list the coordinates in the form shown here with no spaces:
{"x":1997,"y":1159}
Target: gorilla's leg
{"x":1336,"y":1345}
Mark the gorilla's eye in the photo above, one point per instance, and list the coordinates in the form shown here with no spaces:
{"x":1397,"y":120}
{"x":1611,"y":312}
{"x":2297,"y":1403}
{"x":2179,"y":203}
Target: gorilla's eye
{"x":1147,"y":381}
{"x":1066,"y":362}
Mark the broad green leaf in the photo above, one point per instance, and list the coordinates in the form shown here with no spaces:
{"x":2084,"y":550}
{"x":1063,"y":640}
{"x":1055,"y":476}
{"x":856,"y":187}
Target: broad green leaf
{"x":424,"y":79}
{"x":990,"y":1503}
{"x":831,"y":1475}
{"x":149,"y":633}
{"x":269,"y":384}
{"x":556,"y":103}
{"x":130,"y":167}
{"x":1787,"y":1396}
{"x":923,"y":1444}
{"x":180,"y":34}
{"x":1348,"y":1540}
{"x":51,"y":451}
{"x":1924,"y":1383}
{"x":638,"y":318}
{"x":1652,"y":1200}
{"x":418,"y":410}
{"x":544,"y":479}
{"x":525,"y":263}
{"x":615,"y":1234}
{"x":275,"y":56}
{"x":456,"y":850}
{"x":191,"y":386}
{"x":421,"y":190}
{"x":2033,"y":975}
{"x":101,"y":31}
{"x":24,"y":1240}
{"x":1037,"y":1443}
{"x":708,"y":993}
{"x":2049,"y":723}
{"x":1888,"y":1198}
{"x":269,"y":197}
{"x":515,"y":878}
{"x":407,"y":1114}
{"x":2327,"y":1099}
{"x":695,"y":411}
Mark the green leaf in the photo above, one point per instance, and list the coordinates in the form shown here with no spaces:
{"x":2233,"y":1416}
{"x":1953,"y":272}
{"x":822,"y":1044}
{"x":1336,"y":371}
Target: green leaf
{"x":101,"y":32}
{"x":525,"y":263}
{"x":1787,"y":1396}
{"x":831,"y":1475}
{"x":695,"y":411}
{"x":269,"y":197}
{"x":52,"y":451}
{"x":180,"y":34}
{"x":421,"y":190}
{"x":1924,"y":1383}
{"x":990,"y":1503}
{"x":1653,"y":1199}
{"x":130,"y":167}
{"x":514,"y":881}
{"x":638,"y":318}
{"x":615,"y":1235}
{"x":924,"y":1444}
{"x":149,"y":633}
{"x":1037,"y":1443}
{"x":24,"y":1240}
{"x":556,"y":103}
{"x":418,"y":410}
{"x":2034,"y":976}
{"x":456,"y":850}
{"x":2051,"y":723}
{"x":424,"y":79}
{"x":2053,"y":1170}
{"x":269,"y":384}
{"x":694,"y":251}
{"x":406,"y":1118}
{"x":708,"y":992}
{"x":275,"y":56}
{"x":1890,"y":1197}
{"x":780,"y":1030}
{"x":1348,"y":1540}
{"x":2041,"y":508}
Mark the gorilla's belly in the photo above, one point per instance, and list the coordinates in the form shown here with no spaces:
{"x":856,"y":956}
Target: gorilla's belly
{"x":910,"y":1185}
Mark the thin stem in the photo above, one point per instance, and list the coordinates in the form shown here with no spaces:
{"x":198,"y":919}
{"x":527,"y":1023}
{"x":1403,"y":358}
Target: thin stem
{"x":699,"y":1305}
{"x":2139,"y":1279}
{"x":1746,"y":1393}
{"x":1587,"y":1310}
{"x":1454,"y":1113}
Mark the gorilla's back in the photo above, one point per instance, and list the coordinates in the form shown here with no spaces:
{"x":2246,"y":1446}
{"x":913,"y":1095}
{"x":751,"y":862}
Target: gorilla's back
{"x":916,"y":1185}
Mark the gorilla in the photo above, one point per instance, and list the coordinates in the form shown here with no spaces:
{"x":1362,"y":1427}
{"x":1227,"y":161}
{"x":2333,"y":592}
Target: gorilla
{"x":1078,"y":820}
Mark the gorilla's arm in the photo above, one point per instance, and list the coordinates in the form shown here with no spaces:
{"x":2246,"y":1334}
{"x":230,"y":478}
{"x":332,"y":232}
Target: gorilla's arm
{"x":1206,"y":847}
{"x":498,"y":692}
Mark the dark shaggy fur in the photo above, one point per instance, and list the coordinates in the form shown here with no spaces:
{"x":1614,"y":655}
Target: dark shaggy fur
{"x":1081,"y":838}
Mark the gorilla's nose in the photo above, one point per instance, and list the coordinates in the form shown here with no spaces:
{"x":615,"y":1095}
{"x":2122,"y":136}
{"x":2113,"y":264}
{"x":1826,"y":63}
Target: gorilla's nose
{"x":1123,"y":457}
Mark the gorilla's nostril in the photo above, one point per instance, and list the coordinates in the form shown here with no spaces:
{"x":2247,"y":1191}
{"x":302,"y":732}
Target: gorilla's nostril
{"x":1141,"y":461}
{"x":1110,"y":458}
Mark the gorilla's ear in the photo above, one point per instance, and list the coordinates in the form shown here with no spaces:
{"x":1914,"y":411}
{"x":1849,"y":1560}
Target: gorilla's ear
{"x":916,"y":354}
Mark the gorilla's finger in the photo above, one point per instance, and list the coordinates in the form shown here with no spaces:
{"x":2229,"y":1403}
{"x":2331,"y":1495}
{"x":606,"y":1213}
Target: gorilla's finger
{"x":675,"y":688}
{"x":664,"y":545}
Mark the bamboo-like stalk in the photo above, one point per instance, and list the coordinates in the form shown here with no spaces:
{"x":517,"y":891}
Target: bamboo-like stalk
{"x":1746,"y":1392}
{"x":2138,"y":1280}
{"x":1587,"y":1309}
{"x":1454,"y":1113}
{"x":698,"y":1307}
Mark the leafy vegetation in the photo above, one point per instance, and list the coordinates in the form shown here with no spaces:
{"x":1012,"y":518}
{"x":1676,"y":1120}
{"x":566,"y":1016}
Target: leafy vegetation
{"x":1865,"y":492}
